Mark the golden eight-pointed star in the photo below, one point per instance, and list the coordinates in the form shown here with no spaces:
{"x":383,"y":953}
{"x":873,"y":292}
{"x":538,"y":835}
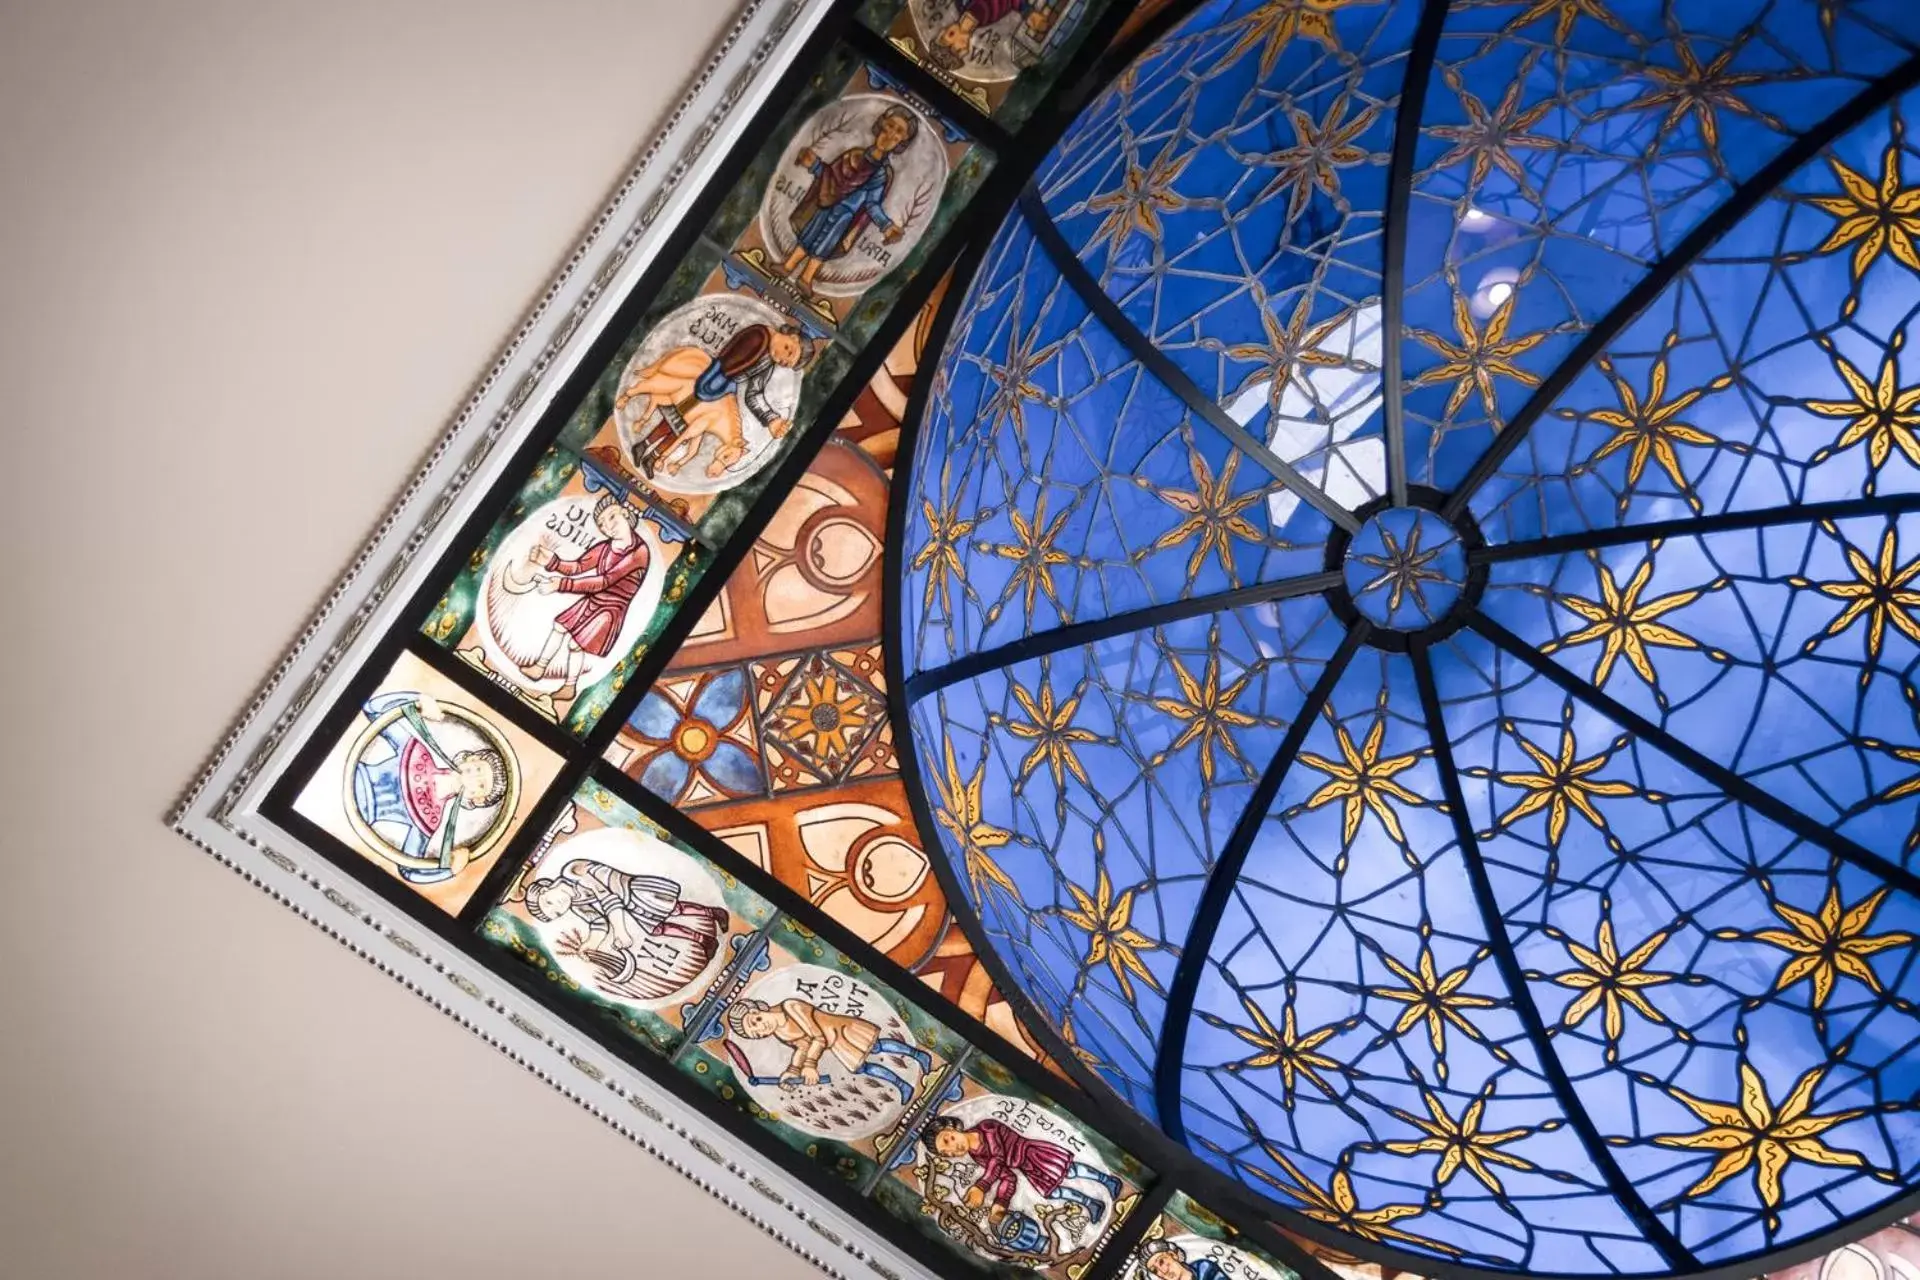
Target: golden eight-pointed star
{"x":1882,"y":412}
{"x":1881,"y":591}
{"x":1606,"y":979}
{"x":1461,"y":1143}
{"x":1651,"y":428}
{"x":1562,"y":784}
{"x":1479,"y":356}
{"x":1874,"y":218}
{"x":1829,"y":945}
{"x":1753,"y":1132}
{"x":1111,"y":937}
{"x":1628,"y":627}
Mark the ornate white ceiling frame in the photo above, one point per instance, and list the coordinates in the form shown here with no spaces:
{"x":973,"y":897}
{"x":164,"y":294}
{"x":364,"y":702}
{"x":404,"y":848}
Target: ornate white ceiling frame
{"x":219,"y":811}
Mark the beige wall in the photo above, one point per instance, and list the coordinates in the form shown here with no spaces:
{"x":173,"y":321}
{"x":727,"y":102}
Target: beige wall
{"x":251,"y":256}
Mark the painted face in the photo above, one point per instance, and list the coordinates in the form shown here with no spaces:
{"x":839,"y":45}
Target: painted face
{"x":1168,"y":1266}
{"x":615,"y":521}
{"x":555,"y":901}
{"x":476,"y":781}
{"x":759,"y":1022}
{"x":949,"y":1142}
{"x":891,"y":133}
{"x":785,"y":349}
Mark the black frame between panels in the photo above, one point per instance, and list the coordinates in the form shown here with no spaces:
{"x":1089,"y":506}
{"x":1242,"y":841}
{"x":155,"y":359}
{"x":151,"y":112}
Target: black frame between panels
{"x":904,"y":692}
{"x":1171,"y":1165}
{"x":1167,"y":1168}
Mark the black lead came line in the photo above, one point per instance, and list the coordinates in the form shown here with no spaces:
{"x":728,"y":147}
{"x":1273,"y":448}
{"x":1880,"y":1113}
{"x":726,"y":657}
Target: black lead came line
{"x":1393,"y":226}
{"x":1713,"y":772}
{"x":1220,"y":884}
{"x":1156,"y":362}
{"x":1041,"y":644}
{"x":1693,"y":526}
{"x":1745,"y":199}
{"x":1492,"y":922}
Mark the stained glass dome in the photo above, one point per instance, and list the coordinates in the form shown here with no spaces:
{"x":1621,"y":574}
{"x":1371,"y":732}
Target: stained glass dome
{"x":1410,"y":603}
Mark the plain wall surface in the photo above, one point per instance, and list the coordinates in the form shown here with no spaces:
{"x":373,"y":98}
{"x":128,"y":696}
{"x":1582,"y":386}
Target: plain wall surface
{"x":252,"y":257}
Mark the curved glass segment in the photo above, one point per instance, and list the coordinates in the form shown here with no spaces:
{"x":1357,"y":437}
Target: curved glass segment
{"x":1565,"y":149}
{"x":1773,"y":371}
{"x":1071,"y":485}
{"x":1227,"y":192}
{"x":1084,"y":796}
{"x":1454,"y":762}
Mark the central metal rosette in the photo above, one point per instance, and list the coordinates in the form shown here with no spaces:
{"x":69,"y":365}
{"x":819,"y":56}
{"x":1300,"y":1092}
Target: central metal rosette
{"x":1408,"y":570}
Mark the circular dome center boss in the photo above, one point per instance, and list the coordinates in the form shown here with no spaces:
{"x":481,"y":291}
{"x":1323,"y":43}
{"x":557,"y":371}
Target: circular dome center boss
{"x":1408,"y":604}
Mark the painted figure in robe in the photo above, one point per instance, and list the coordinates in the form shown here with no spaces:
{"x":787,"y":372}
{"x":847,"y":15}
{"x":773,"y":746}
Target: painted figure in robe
{"x":411,"y":791}
{"x":647,"y":942}
{"x":848,"y":193}
{"x":693,"y":395}
{"x":606,"y":577}
{"x":814,"y":1033}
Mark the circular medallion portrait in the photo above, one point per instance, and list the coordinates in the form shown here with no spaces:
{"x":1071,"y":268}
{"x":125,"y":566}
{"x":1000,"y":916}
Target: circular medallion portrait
{"x":709,"y":393}
{"x":430,"y":785}
{"x":854,"y":192}
{"x":822,"y":1051}
{"x":1014,"y":1181}
{"x":988,"y":41}
{"x":569,"y":591}
{"x":629,"y":916}
{"x":1192,"y":1257}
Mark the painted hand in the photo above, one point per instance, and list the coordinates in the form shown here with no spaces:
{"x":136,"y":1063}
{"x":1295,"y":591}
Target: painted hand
{"x":892,"y":235}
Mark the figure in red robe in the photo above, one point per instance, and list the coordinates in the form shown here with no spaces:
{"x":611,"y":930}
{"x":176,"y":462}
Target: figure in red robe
{"x":951,"y":47}
{"x":1005,"y":1157}
{"x":848,"y":193}
{"x":606,"y":577}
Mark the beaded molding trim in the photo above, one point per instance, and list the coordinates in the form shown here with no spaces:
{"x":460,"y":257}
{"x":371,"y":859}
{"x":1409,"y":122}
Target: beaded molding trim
{"x":217,"y":812}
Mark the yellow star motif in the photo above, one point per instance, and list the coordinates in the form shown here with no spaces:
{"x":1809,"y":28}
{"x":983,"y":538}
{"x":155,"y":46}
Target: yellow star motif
{"x":1207,"y":711}
{"x":1049,"y":726}
{"x":1288,"y":348}
{"x":959,"y":812}
{"x":1608,"y":980}
{"x":1212,"y":511}
{"x":1628,"y":627}
{"x":1435,"y":998}
{"x":1699,"y":88}
{"x":824,"y":715}
{"x":1461,"y":1143}
{"x":1111,"y":938}
{"x":1012,"y":379}
{"x":1882,"y":413}
{"x":1756,"y":1133}
{"x":1318,"y":153}
{"x":1490,"y":137}
{"x":1402,"y":569}
{"x":1828,"y":946}
{"x":1879,"y":591}
{"x":1143,"y":195}
{"x":1363,"y":780}
{"x":1034,"y":556}
{"x":1565,"y":12}
{"x":1284,"y":1048}
{"x":1873,"y":218}
{"x":940,"y":557}
{"x":1480,"y":355}
{"x":1336,"y":1205}
{"x":1277,"y":22}
{"x":1562,"y":785}
{"x":1649,"y":428}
